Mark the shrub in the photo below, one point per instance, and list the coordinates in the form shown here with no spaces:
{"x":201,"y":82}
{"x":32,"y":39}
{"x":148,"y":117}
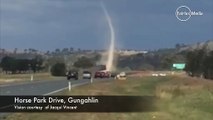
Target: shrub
{"x":58,"y":69}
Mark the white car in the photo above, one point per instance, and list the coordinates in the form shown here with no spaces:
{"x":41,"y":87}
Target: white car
{"x":154,"y":74}
{"x":162,"y":74}
{"x":121,"y":76}
{"x":87,"y":75}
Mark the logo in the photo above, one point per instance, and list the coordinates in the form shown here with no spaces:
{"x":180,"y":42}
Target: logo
{"x":184,"y":13}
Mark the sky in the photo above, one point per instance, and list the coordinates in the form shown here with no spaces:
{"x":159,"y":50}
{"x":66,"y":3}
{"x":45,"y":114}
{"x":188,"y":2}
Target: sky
{"x":138,"y":24}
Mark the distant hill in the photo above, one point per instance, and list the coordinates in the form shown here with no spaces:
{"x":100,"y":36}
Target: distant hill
{"x":208,"y":44}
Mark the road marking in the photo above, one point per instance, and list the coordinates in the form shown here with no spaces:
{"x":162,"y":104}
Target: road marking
{"x":59,"y":90}
{"x":55,"y":91}
{"x":6,"y":106}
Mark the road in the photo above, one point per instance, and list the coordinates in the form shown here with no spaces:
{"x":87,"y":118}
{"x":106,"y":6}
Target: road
{"x":44,"y":87}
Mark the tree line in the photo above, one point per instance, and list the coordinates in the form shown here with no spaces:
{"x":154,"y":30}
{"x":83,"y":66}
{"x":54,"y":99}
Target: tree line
{"x":13,"y":65}
{"x":200,"y":63}
{"x":59,"y":68}
{"x":155,"y":60}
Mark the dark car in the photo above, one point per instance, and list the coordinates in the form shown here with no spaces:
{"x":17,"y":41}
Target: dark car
{"x":113,"y":75}
{"x":72,"y":75}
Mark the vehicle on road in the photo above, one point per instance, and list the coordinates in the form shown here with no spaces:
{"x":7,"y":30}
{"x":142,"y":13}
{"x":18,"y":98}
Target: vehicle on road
{"x":159,"y":74}
{"x":87,"y":75}
{"x":72,"y":75}
{"x":101,"y":67}
{"x":163,"y":74}
{"x":155,"y":75}
{"x":113,"y":75}
{"x":102,"y":74}
{"x":121,"y":76}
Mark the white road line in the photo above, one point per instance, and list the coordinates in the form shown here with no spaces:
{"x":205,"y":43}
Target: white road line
{"x":6,"y":106}
{"x":75,"y":85}
{"x":55,"y":91}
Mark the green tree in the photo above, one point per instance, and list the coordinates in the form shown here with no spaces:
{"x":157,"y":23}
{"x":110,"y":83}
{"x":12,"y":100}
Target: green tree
{"x":84,"y":62}
{"x":36,"y":64}
{"x":8,"y":64}
{"x":208,"y":64}
{"x":59,"y":69}
{"x":197,"y":62}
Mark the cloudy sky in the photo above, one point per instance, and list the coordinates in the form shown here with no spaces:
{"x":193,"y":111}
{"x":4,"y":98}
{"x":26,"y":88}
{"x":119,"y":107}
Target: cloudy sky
{"x":139,"y":24}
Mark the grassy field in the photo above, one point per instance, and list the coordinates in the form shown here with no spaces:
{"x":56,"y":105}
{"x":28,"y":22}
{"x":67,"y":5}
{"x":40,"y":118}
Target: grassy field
{"x":11,"y":78}
{"x":181,"y":98}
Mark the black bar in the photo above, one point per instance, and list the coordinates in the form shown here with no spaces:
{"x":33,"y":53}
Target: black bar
{"x":78,"y":104}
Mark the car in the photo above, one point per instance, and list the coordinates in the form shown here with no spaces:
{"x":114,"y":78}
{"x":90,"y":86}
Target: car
{"x":155,"y":74}
{"x":102,"y":74}
{"x":98,"y":74}
{"x":87,"y":75}
{"x":163,"y":74}
{"x":106,"y":74}
{"x":72,"y":75}
{"x":121,"y":76}
{"x":113,"y":75}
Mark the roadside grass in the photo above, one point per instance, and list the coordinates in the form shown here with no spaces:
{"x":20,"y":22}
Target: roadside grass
{"x":181,"y":98}
{"x":11,"y":78}
{"x":187,"y":98}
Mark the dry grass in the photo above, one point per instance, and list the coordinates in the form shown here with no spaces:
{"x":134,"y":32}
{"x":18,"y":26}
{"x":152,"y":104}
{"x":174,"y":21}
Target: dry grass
{"x":11,"y":78}
{"x":179,"y":86}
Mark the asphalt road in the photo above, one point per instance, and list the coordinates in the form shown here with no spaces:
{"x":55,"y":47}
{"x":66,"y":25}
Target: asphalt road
{"x":44,"y":87}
